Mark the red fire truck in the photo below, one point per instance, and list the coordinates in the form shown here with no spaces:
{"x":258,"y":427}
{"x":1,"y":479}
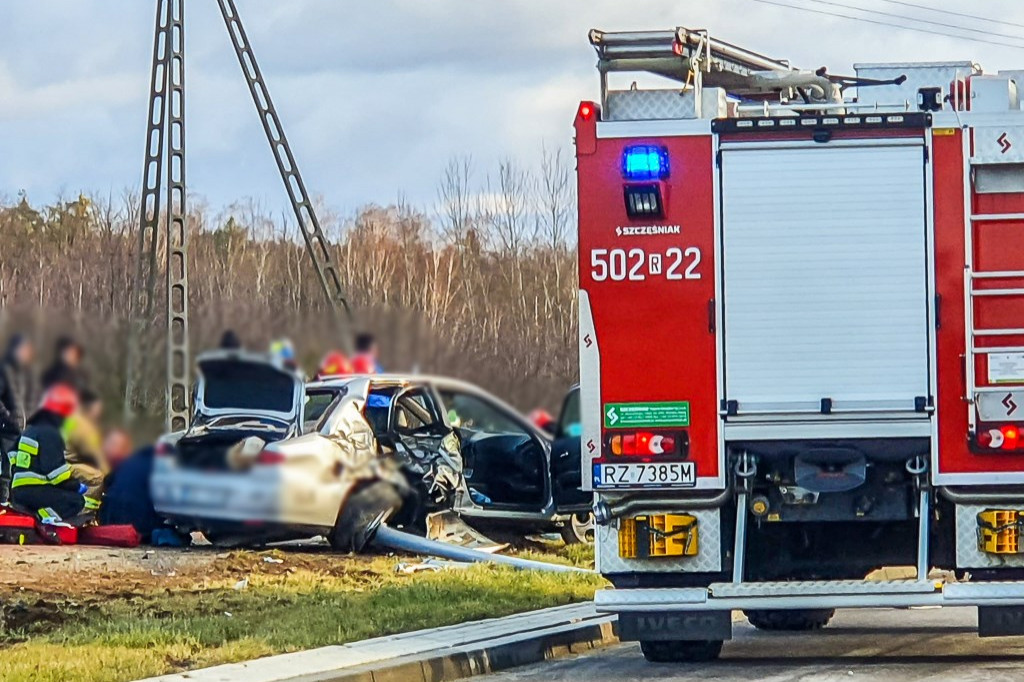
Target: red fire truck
{"x":801,"y":338}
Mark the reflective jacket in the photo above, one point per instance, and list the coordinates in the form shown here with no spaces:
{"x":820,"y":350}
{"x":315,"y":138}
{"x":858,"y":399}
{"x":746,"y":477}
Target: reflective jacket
{"x":38,"y":458}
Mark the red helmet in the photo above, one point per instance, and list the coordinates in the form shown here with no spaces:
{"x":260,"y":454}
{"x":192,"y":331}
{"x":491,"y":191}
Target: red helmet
{"x":60,"y":399}
{"x":334,"y":364}
{"x":542,"y":419}
{"x":364,"y":364}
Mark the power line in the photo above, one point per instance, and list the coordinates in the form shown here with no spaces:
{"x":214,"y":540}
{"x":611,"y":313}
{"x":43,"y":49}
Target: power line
{"x":922,"y":21}
{"x":888,"y":24}
{"x":951,"y":13}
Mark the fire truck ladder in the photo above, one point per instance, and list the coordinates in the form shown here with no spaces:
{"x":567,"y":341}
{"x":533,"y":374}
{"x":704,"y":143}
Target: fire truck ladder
{"x":697,"y":60}
{"x":165,"y":146}
{"x":973,"y":290}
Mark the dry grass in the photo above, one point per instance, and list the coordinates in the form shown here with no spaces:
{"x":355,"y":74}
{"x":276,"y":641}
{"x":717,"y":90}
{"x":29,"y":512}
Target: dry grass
{"x":308,"y":600}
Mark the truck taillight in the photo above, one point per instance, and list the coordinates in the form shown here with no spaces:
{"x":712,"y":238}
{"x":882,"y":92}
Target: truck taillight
{"x":644,"y":443}
{"x":270,"y":457}
{"x":1005,"y":437}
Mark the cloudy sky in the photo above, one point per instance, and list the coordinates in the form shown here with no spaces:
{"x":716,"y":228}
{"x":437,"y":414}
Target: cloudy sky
{"x":377,"y":96}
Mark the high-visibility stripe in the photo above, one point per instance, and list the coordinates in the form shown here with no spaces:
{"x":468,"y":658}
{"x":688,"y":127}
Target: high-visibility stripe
{"x":59,"y":473}
{"x":60,"y":478}
{"x":55,"y":477}
{"x":23,"y":478}
{"x":26,"y":444}
{"x":91,"y":502}
{"x":47,"y":513}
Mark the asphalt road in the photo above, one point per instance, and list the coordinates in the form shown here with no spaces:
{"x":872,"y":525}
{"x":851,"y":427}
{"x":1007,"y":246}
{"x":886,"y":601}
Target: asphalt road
{"x":901,"y":645}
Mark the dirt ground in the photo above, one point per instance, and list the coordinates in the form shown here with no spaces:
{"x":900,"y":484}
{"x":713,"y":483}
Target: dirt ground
{"x":83,"y":571}
{"x":42,"y":585}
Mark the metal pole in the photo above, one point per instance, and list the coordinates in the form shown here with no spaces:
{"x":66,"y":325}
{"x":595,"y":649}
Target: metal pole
{"x":404,"y":542}
{"x":923,"y":532}
{"x":309,"y":225}
{"x":177,"y":227}
{"x":739,"y":550}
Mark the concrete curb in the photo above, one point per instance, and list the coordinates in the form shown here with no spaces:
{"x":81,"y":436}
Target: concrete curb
{"x":436,"y":655}
{"x":457,"y":664}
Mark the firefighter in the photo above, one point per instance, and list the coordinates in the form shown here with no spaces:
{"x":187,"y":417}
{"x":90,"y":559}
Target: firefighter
{"x":42,"y":481}
{"x":334,"y":364}
{"x":84,"y":444}
{"x":15,"y":397}
{"x":366,"y":360}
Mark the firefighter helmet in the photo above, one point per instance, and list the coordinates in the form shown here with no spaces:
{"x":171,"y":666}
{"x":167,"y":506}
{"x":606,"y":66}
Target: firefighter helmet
{"x":334,"y":364}
{"x":60,"y":399}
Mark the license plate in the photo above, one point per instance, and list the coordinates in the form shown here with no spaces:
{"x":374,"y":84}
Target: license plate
{"x":645,"y":475}
{"x":211,"y":498}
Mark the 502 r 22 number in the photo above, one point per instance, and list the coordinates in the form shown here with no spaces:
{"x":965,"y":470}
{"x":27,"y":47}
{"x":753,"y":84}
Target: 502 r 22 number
{"x":636,"y":265}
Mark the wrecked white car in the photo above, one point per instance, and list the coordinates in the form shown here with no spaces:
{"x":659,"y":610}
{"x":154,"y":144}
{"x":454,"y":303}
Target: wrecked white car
{"x":267,"y":458}
{"x":336,"y":457}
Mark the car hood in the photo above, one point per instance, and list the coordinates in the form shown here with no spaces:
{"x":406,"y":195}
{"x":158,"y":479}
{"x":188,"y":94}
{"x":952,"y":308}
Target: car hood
{"x":236,"y":383}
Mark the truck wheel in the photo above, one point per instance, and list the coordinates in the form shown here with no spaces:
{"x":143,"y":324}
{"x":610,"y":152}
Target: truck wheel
{"x":679,"y":651}
{"x":578,"y":529}
{"x":352,"y":531}
{"x":790,"y":620}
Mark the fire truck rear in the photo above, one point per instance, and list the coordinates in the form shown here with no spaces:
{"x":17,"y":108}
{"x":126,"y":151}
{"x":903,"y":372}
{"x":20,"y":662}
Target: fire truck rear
{"x":801,"y":339}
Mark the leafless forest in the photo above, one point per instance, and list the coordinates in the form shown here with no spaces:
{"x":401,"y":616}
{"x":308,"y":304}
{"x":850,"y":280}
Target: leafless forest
{"x":481,"y":285}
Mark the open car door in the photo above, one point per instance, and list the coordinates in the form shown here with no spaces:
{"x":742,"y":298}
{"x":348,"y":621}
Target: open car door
{"x":506,"y":459}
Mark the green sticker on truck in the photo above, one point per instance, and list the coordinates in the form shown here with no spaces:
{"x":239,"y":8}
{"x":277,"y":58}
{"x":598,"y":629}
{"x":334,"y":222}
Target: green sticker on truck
{"x":630,"y":415}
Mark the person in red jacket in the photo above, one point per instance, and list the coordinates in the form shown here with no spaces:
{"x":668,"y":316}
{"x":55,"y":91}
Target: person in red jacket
{"x":42,"y":483}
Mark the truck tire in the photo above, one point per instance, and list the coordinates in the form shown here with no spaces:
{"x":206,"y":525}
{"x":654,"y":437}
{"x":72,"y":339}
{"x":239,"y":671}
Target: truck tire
{"x":679,"y":651}
{"x":790,"y":620}
{"x":352,"y":531}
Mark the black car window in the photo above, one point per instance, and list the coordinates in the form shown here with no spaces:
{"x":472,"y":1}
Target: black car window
{"x":319,"y":405}
{"x":471,"y":412}
{"x":569,"y":420}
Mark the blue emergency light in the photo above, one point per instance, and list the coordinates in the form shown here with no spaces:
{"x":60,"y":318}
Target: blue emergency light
{"x":645,"y":162}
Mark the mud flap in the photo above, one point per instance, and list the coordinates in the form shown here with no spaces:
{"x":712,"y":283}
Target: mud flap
{"x":684,"y":626}
{"x":1000,"y":621}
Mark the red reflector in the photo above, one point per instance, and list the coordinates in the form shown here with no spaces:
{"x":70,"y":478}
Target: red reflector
{"x":586,"y":111}
{"x":668,"y":444}
{"x":985,"y":439}
{"x":270,"y":457}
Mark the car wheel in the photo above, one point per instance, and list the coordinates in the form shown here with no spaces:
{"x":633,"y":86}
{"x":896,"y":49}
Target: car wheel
{"x":578,"y":529}
{"x":356,"y":524}
{"x":676,"y":651}
{"x":796,"y":620}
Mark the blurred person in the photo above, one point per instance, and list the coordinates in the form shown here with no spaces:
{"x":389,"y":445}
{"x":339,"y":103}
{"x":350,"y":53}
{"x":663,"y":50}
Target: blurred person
{"x":127,"y":500}
{"x":334,"y":364}
{"x":117,"y":447}
{"x":16,"y":394}
{"x":365,"y":360}
{"x":230,"y":340}
{"x":543,"y":420}
{"x":283,"y":352}
{"x":67,"y":365}
{"x":84,"y":445}
{"x":42,"y":483}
